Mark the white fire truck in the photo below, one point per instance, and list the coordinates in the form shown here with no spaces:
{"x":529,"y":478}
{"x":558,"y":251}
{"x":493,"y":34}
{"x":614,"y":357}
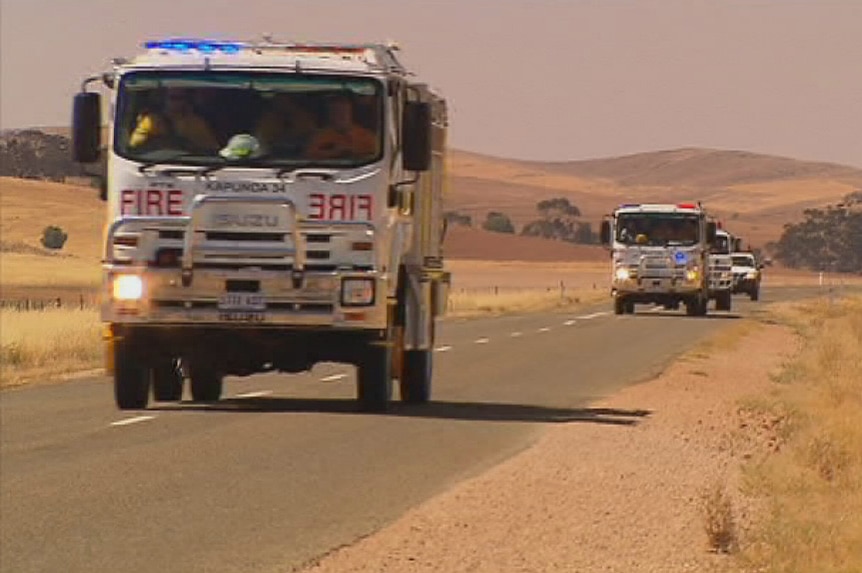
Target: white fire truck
{"x":270,"y":206}
{"x":659,"y":255}
{"x":721,"y":270}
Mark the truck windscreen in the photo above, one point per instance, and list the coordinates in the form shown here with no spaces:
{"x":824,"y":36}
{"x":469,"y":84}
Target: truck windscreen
{"x":278,"y":120}
{"x":658,"y":229}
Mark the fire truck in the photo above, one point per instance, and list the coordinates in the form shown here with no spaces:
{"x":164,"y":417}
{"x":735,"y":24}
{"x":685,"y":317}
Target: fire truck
{"x":659,"y":255}
{"x":270,"y":206}
{"x":721,"y":270}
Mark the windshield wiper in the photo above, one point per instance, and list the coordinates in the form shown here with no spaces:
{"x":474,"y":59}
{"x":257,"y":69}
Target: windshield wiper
{"x":147,"y":165}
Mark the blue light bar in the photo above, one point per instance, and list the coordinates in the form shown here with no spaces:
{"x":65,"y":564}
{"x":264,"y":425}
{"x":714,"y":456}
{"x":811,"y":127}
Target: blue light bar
{"x":203,"y":46}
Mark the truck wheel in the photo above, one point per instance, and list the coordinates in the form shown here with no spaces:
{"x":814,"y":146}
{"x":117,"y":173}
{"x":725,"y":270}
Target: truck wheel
{"x":416,"y":376}
{"x":374,"y":379}
{"x":696,"y":306}
{"x":723,"y":301}
{"x":755,"y":294}
{"x":630,"y":308}
{"x":167,"y":381}
{"x":131,"y":377}
{"x":206,"y":383}
{"x":619,"y":305}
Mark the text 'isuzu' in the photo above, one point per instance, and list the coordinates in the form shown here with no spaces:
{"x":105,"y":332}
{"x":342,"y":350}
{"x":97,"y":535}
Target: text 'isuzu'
{"x":270,"y":206}
{"x":659,"y":255}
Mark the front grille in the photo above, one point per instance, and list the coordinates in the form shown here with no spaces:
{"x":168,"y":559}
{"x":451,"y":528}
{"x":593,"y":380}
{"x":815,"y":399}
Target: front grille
{"x":317,"y":307}
{"x":234,"y":236}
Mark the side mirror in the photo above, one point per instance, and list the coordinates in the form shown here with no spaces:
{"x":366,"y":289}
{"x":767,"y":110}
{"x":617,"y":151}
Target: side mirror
{"x":710,"y":232}
{"x":86,"y":127}
{"x":605,"y":233}
{"x":416,"y":136}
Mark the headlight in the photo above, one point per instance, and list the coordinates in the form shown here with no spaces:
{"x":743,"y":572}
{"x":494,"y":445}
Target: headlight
{"x":357,"y":292}
{"x":691,"y":275}
{"x":622,"y":274}
{"x":751,"y":275}
{"x":128,"y":287}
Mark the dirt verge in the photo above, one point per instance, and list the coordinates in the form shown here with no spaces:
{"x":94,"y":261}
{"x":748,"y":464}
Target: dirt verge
{"x":625,"y":496}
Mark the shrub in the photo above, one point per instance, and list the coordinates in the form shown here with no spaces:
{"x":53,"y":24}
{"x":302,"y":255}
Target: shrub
{"x":498,"y":223}
{"x":54,"y":238}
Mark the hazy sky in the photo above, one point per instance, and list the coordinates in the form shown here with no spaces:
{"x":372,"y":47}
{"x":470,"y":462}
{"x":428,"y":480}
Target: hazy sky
{"x":537,"y":79}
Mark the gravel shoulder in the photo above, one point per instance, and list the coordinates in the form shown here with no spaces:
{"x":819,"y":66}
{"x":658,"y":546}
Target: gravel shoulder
{"x":625,"y":495}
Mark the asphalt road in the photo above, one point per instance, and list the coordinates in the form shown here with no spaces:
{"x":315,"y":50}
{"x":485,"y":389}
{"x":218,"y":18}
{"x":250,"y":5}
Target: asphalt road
{"x":285,"y":469}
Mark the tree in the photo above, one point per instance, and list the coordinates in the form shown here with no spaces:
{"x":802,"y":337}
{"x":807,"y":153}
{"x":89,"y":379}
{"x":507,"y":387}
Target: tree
{"x":53,"y":237}
{"x":828,"y":239}
{"x":456,"y":218}
{"x":558,"y":219}
{"x":498,"y":223}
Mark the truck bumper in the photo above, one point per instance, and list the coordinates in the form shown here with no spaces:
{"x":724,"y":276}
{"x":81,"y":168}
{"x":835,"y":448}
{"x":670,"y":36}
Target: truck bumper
{"x":277,"y":302}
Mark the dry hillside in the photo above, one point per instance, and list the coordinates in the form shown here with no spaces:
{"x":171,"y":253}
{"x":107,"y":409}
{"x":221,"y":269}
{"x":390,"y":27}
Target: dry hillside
{"x":754,"y":194}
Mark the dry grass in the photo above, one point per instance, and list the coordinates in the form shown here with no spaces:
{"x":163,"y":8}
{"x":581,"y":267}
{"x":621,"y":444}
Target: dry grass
{"x":483,"y":303}
{"x":47,"y":344}
{"x":18,"y":269}
{"x":814,"y":482}
{"x":718,"y":518}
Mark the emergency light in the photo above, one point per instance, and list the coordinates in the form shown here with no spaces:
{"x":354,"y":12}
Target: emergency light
{"x":203,"y":46}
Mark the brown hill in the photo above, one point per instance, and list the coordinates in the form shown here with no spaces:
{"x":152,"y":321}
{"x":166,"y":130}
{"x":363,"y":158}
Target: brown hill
{"x":754,"y":194}
{"x":475,"y":244}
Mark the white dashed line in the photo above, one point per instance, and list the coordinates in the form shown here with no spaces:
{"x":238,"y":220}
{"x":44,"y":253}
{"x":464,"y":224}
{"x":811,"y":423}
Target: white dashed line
{"x":544,"y":329}
{"x":333,"y":378}
{"x":443,"y":349}
{"x":481,"y":341}
{"x":592,"y":316}
{"x":135,"y":420}
{"x":516,"y":334}
{"x":257,"y":394}
{"x":569,"y":323}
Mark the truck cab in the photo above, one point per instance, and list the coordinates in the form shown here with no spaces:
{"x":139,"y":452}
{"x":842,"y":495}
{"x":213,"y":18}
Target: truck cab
{"x":659,"y":255}
{"x":271,"y":205}
{"x":721,"y":270}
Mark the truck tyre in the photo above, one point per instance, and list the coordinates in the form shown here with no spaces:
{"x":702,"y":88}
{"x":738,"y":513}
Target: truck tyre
{"x":619,"y":305}
{"x":374,"y":378}
{"x":755,"y":294}
{"x":167,"y":381}
{"x":206,"y":383}
{"x":696,"y":306}
{"x":416,"y":376}
{"x":723,"y":301}
{"x":131,"y":377}
{"x":630,"y":308}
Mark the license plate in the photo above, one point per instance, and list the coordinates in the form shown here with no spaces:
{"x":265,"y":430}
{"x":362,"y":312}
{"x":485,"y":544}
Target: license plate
{"x":241,"y":316}
{"x":242,"y":301}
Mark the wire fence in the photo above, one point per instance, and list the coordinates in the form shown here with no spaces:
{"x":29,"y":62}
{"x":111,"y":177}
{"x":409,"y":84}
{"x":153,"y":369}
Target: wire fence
{"x":82,"y":302}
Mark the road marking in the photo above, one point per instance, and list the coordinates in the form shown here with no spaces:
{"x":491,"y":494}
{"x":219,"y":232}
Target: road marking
{"x":257,"y":394}
{"x":334,"y":378}
{"x":569,"y":323}
{"x":135,"y":420}
{"x":516,"y":334}
{"x":544,"y":329}
{"x":592,"y":316}
{"x":481,"y":341}
{"x":443,"y":349}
